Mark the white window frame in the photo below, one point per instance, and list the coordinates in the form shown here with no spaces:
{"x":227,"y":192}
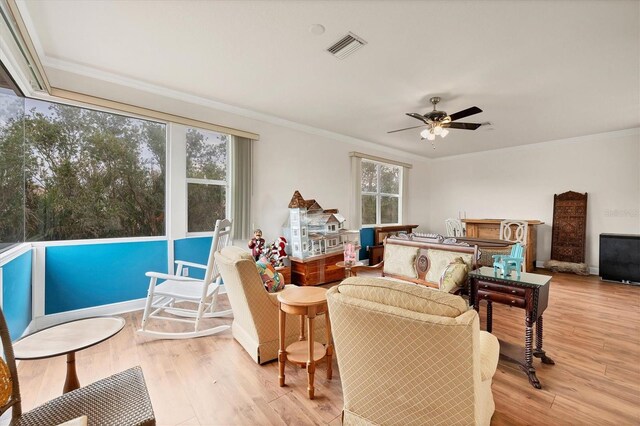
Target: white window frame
{"x":379,"y":195}
{"x":225,"y":183}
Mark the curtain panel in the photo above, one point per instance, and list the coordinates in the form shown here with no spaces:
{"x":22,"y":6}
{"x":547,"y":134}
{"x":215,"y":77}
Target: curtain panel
{"x":241,"y":187}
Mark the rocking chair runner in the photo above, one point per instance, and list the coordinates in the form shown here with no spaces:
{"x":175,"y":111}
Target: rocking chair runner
{"x":199,"y":296}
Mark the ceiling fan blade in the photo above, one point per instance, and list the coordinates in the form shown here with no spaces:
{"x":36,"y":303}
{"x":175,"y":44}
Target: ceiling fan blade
{"x":465,"y":113}
{"x":417,"y":116}
{"x":464,"y":126}
{"x":407,"y":128}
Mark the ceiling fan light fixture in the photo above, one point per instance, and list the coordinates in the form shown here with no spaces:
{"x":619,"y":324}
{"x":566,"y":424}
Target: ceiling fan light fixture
{"x":431,"y":136}
{"x":424,"y":133}
{"x":437,"y":130}
{"x":444,"y":132}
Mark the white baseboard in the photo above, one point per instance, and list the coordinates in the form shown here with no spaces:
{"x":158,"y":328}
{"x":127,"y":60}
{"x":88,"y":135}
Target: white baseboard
{"x":45,"y":321}
{"x":592,"y":269}
{"x":39,"y":323}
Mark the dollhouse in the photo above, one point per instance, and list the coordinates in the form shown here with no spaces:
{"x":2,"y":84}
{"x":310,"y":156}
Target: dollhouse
{"x":315,"y":231}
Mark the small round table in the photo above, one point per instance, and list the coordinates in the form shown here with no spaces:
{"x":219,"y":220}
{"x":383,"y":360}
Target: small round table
{"x":67,"y":339}
{"x":309,"y":302}
{"x":347,"y":267}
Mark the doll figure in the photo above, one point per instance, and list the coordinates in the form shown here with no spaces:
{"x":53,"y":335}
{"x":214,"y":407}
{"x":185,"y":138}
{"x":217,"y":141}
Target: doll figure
{"x":257,"y":244}
{"x":281,"y":245}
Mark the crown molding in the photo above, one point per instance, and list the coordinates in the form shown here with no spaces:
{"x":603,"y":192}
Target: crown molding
{"x":90,"y":72}
{"x":614,"y":134}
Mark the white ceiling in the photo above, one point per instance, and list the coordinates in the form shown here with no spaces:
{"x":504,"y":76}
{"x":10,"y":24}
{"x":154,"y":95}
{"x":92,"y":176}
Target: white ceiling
{"x":540,"y":70}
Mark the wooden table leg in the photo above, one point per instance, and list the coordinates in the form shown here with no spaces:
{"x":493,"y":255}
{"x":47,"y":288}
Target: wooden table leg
{"x":329,"y":346}
{"x":528,"y":355}
{"x":301,"y":337}
{"x":282,"y":355}
{"x":71,"y":382}
{"x":489,"y":316}
{"x":539,"y":352}
{"x":311,"y":365}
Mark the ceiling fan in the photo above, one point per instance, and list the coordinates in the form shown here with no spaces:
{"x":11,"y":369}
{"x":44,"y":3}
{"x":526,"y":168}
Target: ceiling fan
{"x":438,"y":122}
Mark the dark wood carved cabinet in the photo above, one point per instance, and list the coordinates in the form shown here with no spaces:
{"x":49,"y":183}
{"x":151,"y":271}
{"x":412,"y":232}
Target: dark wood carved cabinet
{"x":569,"y":227}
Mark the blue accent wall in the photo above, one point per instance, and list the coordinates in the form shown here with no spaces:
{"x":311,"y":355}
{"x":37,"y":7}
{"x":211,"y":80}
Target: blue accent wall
{"x":366,"y":239}
{"x":83,"y":276}
{"x":16,"y":294}
{"x":195,"y":250}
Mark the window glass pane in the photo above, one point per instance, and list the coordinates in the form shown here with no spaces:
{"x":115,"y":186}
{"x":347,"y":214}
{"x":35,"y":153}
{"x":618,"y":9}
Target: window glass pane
{"x":91,"y":174}
{"x":11,"y":169}
{"x":368,"y":209}
{"x":369,"y":177}
{"x":206,"y":204}
{"x":206,"y":154}
{"x":388,"y":209}
{"x":390,"y":179}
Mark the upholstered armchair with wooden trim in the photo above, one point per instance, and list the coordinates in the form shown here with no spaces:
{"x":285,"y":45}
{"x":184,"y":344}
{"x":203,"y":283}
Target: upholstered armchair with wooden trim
{"x":410,"y":355}
{"x":121,"y":399}
{"x":255,"y":311}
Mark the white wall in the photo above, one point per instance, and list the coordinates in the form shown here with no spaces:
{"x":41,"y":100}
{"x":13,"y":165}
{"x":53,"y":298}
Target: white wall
{"x":286,"y":160}
{"x":519,"y":183}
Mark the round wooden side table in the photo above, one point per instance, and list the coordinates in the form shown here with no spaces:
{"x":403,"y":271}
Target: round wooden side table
{"x":307,"y":302}
{"x":66,"y":339}
{"x":347,"y":267}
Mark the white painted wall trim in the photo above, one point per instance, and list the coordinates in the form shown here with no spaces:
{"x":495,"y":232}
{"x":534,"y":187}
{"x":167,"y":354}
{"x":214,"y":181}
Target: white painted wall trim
{"x":97,"y":241}
{"x":44,"y":321}
{"x":37,"y":281}
{"x":14,"y":252}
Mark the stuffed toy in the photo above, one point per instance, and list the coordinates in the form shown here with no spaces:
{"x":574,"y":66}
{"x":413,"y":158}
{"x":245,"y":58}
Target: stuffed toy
{"x":281,"y":244}
{"x":275,"y":252}
{"x":257,"y":244}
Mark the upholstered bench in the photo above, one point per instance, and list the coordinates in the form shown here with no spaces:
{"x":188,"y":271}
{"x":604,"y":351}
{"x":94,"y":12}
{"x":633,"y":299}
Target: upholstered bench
{"x":430,"y":260}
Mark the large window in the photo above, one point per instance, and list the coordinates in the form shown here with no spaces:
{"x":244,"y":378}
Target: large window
{"x":207,"y":179}
{"x":381,"y":186}
{"x":85,"y":173}
{"x":11,"y":169}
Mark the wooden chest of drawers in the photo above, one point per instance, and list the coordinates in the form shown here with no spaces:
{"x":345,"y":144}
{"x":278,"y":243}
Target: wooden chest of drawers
{"x":317,"y":270}
{"x":529,"y":292}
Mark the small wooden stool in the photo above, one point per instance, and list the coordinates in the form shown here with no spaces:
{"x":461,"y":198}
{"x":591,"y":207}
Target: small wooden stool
{"x":309,"y":302}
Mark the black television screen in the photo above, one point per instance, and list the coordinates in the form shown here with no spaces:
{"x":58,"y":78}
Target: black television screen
{"x":620,"y":257}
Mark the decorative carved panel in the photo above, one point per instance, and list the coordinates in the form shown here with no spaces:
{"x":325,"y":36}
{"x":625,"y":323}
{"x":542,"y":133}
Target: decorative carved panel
{"x":569,"y":227}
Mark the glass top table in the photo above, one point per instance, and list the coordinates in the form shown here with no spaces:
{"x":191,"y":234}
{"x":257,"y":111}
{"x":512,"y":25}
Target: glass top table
{"x":526,"y":279}
{"x":529,"y":292}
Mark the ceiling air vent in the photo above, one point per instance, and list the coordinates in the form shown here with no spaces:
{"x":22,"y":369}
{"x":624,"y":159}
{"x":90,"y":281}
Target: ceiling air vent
{"x":346,"y":46}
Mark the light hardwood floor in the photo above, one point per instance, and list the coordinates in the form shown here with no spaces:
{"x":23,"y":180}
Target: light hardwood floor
{"x":592,"y":331}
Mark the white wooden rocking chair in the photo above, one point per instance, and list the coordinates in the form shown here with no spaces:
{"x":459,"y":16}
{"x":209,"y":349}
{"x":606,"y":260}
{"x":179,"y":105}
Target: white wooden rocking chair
{"x":162,"y":297}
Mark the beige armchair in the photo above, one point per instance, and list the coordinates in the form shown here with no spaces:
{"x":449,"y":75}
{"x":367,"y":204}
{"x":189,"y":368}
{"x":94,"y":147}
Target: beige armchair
{"x":255,"y":311}
{"x":410,"y":355}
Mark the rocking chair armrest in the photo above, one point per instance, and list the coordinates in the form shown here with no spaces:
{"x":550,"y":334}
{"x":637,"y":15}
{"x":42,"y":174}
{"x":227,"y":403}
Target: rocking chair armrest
{"x":191,"y":264}
{"x":499,"y":256}
{"x":162,"y":276}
